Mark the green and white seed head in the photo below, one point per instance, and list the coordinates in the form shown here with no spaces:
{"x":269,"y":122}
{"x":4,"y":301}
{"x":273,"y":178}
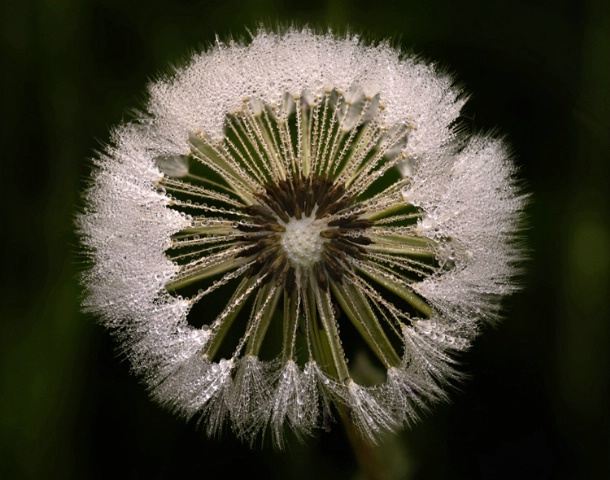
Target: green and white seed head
{"x":283,"y":206}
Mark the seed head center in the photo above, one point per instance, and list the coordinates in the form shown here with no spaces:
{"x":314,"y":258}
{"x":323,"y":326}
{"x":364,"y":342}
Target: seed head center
{"x":302,"y":241}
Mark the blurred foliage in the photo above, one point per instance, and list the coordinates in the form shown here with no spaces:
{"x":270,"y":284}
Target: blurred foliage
{"x":537,"y":403}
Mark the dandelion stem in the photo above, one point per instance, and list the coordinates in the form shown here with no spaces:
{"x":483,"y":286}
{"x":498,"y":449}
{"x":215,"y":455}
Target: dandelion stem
{"x":367,"y":455}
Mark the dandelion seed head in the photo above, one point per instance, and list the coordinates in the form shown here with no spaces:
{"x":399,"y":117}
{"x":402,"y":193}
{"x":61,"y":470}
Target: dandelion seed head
{"x":314,"y":187}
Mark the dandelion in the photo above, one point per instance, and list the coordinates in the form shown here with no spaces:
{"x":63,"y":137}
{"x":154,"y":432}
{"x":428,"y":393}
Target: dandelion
{"x":299,"y":225}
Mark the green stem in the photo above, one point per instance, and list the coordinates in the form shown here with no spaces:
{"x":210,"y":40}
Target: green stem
{"x":367,"y":455}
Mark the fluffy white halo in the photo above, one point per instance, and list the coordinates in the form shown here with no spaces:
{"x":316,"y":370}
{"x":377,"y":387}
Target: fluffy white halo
{"x":281,"y":206}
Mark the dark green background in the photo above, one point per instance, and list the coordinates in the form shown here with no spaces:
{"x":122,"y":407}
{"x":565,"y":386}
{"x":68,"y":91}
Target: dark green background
{"x":537,"y":403}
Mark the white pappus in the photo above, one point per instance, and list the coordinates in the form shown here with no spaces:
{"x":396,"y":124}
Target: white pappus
{"x":284,"y":206}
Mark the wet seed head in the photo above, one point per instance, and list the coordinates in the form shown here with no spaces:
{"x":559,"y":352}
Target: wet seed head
{"x":298,"y":223}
